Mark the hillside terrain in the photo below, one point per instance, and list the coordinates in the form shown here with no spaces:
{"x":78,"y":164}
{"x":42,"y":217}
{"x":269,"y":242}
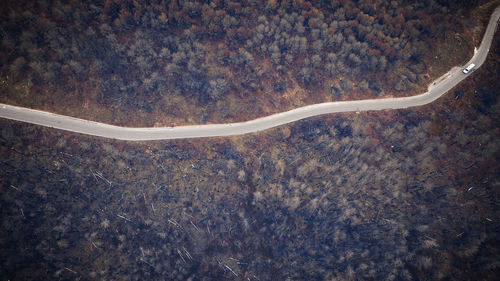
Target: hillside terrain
{"x":394,"y":195}
{"x":173,"y":62}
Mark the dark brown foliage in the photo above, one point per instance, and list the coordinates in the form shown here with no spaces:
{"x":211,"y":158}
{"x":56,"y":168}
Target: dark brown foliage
{"x":148,"y":59}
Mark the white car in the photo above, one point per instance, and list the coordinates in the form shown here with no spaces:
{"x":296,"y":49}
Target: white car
{"x":468,"y":68}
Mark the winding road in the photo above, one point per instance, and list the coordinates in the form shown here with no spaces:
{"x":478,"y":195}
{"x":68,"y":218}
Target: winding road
{"x":435,"y":90}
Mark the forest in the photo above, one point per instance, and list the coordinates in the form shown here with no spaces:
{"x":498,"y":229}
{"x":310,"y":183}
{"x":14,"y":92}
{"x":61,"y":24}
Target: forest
{"x":190,"y":62}
{"x":409,"y":194}
{"x":393,"y":195}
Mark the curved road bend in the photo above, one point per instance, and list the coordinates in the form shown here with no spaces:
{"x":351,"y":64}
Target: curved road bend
{"x":435,"y":90}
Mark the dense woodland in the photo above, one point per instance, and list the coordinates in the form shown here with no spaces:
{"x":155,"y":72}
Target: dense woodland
{"x":171,"y":62}
{"x":393,"y":195}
